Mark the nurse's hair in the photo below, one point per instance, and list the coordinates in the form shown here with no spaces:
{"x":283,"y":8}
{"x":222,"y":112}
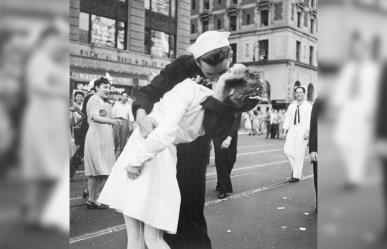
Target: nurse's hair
{"x":239,"y":89}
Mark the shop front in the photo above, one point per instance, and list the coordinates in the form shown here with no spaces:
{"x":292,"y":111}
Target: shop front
{"x":129,"y":70}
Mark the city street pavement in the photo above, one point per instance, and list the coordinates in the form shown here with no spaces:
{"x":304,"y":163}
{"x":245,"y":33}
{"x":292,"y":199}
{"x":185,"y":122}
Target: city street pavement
{"x":265,"y":211}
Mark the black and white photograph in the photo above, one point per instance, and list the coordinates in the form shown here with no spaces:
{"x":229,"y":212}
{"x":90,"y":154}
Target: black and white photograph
{"x":193,"y":124}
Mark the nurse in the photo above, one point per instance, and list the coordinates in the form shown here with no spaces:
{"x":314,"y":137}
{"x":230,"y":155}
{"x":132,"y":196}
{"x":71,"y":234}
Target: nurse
{"x":296,"y":132}
{"x":151,"y":203}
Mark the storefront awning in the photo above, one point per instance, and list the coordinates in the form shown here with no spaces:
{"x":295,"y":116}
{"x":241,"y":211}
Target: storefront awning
{"x":86,"y":77}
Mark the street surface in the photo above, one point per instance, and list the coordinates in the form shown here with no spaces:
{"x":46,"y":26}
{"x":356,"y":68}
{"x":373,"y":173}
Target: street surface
{"x":264,"y":211}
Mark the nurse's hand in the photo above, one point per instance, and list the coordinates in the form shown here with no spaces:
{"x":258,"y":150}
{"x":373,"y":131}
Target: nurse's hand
{"x":306,"y":136}
{"x":133,"y":172}
{"x":313,"y":156}
{"x":146,"y":123}
{"x":226,"y":143}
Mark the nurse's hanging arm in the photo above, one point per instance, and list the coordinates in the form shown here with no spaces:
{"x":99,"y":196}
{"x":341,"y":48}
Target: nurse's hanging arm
{"x":176,"y":101}
{"x":232,"y":132}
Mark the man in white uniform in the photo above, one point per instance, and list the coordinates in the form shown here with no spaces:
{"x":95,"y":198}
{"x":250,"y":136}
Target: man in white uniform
{"x":122,"y":110}
{"x":296,"y":132}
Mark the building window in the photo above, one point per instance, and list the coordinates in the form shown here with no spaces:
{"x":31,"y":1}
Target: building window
{"x":235,"y":1}
{"x":159,"y":44}
{"x":205,"y":25}
{"x":234,"y":52}
{"x":299,"y":19}
{"x":218,"y":24}
{"x":263,"y":50}
{"x":233,"y":23}
{"x":160,"y":31}
{"x":173,"y":8}
{"x":84,"y":27}
{"x":206,"y":4}
{"x":193,"y":4}
{"x":107,"y":28}
{"x":312,"y":26}
{"x":264,"y":18}
{"x":312,"y":4}
{"x":172,"y":46}
{"x":193,"y":28}
{"x":107,"y":32}
{"x":247,"y":50}
{"x":311,"y":55}
{"x":121,"y":35}
{"x":248,"y":19}
{"x":298,"y":50}
{"x":164,"y":7}
{"x":219,"y":1}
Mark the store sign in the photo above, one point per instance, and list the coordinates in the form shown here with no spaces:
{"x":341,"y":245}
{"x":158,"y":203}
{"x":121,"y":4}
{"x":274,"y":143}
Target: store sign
{"x":88,"y":77}
{"x":115,"y":55}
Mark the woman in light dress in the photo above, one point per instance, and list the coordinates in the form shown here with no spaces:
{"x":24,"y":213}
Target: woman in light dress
{"x":99,"y":143}
{"x":143,"y":185}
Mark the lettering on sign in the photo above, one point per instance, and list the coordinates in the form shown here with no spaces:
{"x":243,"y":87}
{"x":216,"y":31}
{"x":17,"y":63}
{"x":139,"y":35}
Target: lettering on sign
{"x":89,"y":77}
{"x":85,"y":50}
{"x":114,"y":89}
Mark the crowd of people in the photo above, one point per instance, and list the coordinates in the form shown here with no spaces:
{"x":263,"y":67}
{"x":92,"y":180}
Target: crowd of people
{"x":269,"y":122}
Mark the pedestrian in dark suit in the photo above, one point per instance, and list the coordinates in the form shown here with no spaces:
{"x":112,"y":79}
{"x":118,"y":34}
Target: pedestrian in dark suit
{"x":192,"y":158}
{"x":313,"y":143}
{"x":381,"y":134}
{"x":225,"y":147}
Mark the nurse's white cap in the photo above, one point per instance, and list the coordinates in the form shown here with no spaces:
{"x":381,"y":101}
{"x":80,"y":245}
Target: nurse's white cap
{"x":91,"y":84}
{"x":208,"y":41}
{"x":109,"y":78}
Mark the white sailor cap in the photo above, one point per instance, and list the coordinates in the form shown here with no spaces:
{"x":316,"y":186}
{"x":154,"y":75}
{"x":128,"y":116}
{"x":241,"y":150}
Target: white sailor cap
{"x":208,"y":41}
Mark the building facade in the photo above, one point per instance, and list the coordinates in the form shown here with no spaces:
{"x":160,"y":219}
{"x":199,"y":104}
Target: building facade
{"x":132,"y":40}
{"x":278,"y":36}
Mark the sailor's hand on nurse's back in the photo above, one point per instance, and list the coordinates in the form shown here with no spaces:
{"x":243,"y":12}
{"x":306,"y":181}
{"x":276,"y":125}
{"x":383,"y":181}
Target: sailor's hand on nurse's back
{"x":313,"y":156}
{"x":133,"y":172}
{"x":145,"y":123}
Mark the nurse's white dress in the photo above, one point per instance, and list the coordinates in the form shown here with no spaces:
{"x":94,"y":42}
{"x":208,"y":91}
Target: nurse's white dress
{"x":295,"y":144}
{"x":154,"y":197}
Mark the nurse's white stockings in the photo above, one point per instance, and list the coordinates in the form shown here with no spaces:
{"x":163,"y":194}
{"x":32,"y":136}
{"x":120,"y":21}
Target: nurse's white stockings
{"x":140,"y":234}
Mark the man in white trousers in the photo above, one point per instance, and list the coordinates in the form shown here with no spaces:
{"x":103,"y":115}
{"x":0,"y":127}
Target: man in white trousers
{"x":296,"y":132}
